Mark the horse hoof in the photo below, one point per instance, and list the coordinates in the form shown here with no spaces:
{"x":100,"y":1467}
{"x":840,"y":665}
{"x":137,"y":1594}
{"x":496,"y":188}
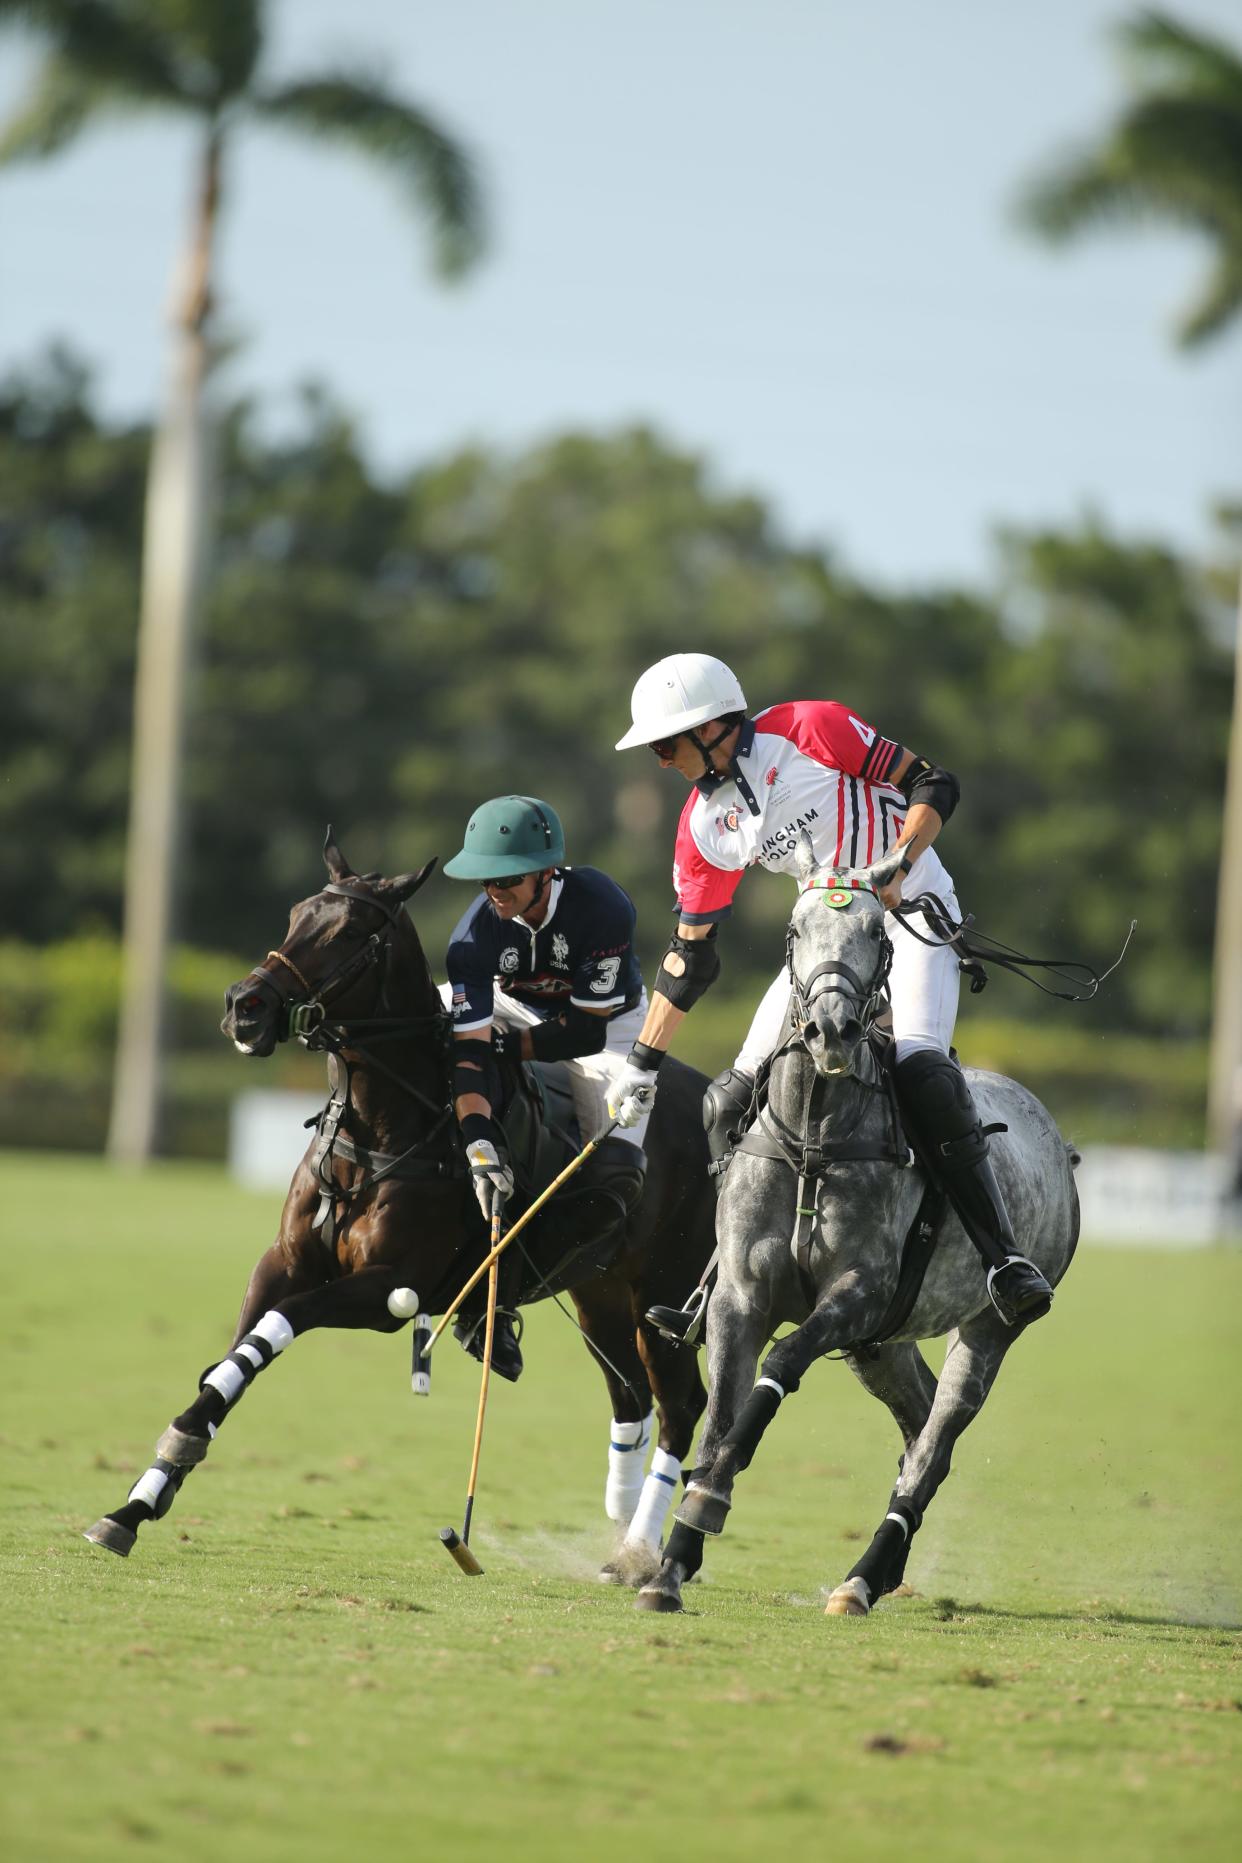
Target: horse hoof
{"x":110,"y":1533}
{"x":656,"y":1597}
{"x":703,"y":1509}
{"x":849,"y":1600}
{"x":181,"y":1450}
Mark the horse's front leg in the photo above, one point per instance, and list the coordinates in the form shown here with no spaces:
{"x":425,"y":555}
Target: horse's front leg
{"x":976,"y":1352}
{"x":736,"y":1329}
{"x":289,"y":1301}
{"x":842,"y":1315}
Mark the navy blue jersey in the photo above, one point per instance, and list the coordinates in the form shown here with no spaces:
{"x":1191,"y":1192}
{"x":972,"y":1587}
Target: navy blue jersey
{"x":583,"y":953}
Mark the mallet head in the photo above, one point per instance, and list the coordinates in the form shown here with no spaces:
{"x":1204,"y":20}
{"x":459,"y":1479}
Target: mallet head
{"x":458,"y":1550}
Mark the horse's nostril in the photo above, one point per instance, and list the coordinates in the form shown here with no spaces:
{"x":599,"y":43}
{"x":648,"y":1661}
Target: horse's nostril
{"x":851,"y":1031}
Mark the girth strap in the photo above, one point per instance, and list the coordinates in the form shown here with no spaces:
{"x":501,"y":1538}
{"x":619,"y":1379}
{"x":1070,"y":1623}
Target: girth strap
{"x":916,"y":1254}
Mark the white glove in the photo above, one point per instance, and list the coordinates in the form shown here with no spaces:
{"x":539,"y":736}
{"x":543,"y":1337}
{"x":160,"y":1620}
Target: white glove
{"x":632,"y":1093}
{"x":490,"y":1177}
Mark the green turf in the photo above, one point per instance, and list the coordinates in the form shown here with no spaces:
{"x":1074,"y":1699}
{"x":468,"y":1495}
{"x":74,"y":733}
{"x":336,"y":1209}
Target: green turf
{"x":290,"y":1667}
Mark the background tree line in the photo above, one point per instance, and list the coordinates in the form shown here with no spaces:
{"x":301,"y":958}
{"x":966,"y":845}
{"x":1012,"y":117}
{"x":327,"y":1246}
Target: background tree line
{"x":383,"y":655}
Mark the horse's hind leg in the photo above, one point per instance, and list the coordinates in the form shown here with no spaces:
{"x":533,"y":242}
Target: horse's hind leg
{"x":358,"y":1300}
{"x":604,"y":1314}
{"x":673,"y":1374}
{"x":901,"y":1378}
{"x":975,"y":1355}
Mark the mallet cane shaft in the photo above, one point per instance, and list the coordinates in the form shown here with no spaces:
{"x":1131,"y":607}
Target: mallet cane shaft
{"x":458,"y":1545}
{"x":498,"y":1247}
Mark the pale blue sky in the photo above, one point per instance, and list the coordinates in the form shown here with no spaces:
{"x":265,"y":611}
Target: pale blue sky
{"x":778,"y":230}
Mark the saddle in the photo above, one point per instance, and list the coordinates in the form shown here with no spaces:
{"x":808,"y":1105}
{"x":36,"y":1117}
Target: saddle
{"x":807,"y":1154}
{"x":580,"y":1230}
{"x":576,"y":1236}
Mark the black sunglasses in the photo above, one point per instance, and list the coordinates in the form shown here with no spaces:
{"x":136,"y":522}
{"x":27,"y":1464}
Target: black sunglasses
{"x":665,"y":746}
{"x":508,"y":883}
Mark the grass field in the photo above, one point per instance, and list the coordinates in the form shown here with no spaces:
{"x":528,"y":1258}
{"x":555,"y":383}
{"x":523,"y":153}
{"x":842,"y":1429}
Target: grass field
{"x":290,"y":1667}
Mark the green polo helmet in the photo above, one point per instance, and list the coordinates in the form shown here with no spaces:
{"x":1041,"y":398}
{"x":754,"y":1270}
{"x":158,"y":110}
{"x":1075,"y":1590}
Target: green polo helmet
{"x":509,"y":834}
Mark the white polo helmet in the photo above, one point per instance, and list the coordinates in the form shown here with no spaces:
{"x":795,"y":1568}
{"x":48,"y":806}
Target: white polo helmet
{"x":678,"y":693}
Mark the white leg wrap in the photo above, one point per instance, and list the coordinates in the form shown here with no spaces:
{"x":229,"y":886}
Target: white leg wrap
{"x":275,"y":1328}
{"x":149,"y":1487}
{"x":227,"y":1379}
{"x":627,"y":1453}
{"x":655,"y":1499}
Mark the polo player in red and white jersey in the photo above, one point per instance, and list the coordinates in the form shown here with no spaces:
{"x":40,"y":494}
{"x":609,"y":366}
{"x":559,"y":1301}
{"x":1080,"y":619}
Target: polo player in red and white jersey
{"x":758,"y":783}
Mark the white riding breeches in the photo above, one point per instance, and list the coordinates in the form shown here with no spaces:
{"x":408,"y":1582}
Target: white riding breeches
{"x":924,"y":984}
{"x":590,"y":1075}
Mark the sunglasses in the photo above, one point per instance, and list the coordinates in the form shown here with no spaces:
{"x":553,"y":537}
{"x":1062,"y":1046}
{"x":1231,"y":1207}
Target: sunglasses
{"x":665,"y":746}
{"x":508,"y":883}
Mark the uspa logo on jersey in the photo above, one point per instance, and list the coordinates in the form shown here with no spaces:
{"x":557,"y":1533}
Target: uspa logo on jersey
{"x":509,"y":960}
{"x":727,"y":823}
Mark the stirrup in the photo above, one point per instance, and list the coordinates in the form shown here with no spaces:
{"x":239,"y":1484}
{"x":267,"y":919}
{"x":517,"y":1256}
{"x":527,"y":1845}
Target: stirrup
{"x":1041,"y":1296}
{"x":681,"y":1325}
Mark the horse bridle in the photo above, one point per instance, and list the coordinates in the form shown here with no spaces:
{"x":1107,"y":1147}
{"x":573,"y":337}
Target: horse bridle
{"x":868,"y":998}
{"x":303,"y":1017}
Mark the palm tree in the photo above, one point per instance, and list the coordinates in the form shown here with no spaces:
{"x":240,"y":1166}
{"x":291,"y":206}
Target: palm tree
{"x":1173,"y":154}
{"x":201,"y":59}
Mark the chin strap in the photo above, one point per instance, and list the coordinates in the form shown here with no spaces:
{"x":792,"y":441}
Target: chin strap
{"x":705,"y":750}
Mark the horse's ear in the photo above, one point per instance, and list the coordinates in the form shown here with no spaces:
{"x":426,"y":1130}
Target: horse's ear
{"x":333,"y":859}
{"x":804,"y":854}
{"x":882,"y":871}
{"x":405,"y":885}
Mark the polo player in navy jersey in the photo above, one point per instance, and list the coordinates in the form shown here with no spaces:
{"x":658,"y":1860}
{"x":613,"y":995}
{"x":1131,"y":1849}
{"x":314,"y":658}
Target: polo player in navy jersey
{"x":757,"y":784}
{"x":540,"y":966}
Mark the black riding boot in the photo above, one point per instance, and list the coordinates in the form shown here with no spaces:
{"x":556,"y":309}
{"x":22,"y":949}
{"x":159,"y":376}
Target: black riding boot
{"x":946,"y":1128}
{"x":725,"y":1105}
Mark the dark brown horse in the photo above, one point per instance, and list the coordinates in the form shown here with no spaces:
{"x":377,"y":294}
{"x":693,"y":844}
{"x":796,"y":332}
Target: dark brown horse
{"x":381,"y":1204}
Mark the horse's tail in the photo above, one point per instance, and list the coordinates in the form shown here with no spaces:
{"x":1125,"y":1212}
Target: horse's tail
{"x":1073,"y":1154}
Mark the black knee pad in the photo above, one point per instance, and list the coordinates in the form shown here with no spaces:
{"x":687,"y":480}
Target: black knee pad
{"x":934,"y":1096}
{"x":725,"y":1106}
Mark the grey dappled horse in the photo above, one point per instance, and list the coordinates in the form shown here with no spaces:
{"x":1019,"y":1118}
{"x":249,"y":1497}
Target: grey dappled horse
{"x":831,"y":1269}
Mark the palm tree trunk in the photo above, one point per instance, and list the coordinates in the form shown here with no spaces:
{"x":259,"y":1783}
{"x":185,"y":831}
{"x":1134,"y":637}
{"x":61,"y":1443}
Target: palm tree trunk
{"x":1225,"y":1084}
{"x":174,"y":561}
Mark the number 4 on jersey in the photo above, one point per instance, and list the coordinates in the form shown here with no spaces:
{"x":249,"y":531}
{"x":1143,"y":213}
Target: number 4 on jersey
{"x":865,"y":731}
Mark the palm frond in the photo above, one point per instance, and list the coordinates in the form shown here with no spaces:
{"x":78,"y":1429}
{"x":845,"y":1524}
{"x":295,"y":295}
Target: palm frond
{"x":430,"y":165}
{"x":1162,"y":52}
{"x":217,"y":46}
{"x":1216,"y":306}
{"x":108,"y":44}
{"x":57,"y":108}
{"x":1169,"y":157}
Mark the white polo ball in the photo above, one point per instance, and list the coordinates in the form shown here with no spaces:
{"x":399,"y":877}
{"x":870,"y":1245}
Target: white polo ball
{"x":403,"y":1303}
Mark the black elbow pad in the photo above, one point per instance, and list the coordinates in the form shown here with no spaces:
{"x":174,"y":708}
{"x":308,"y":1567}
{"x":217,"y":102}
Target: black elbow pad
{"x":569,"y":1035}
{"x":473,"y":1069}
{"x":927,"y":782}
{"x":689,"y":967}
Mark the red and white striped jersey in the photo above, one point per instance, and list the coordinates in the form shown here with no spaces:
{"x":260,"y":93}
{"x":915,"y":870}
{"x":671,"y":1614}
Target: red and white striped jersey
{"x":812,"y":765}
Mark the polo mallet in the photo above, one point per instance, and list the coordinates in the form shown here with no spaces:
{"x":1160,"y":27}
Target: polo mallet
{"x":498,"y":1248}
{"x":458,"y":1544}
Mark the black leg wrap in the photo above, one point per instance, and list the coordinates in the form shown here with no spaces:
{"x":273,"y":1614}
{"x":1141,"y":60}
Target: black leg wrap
{"x":684,"y":1547}
{"x":751,"y":1421}
{"x":883,"y":1565}
{"x":778,"y":1364}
